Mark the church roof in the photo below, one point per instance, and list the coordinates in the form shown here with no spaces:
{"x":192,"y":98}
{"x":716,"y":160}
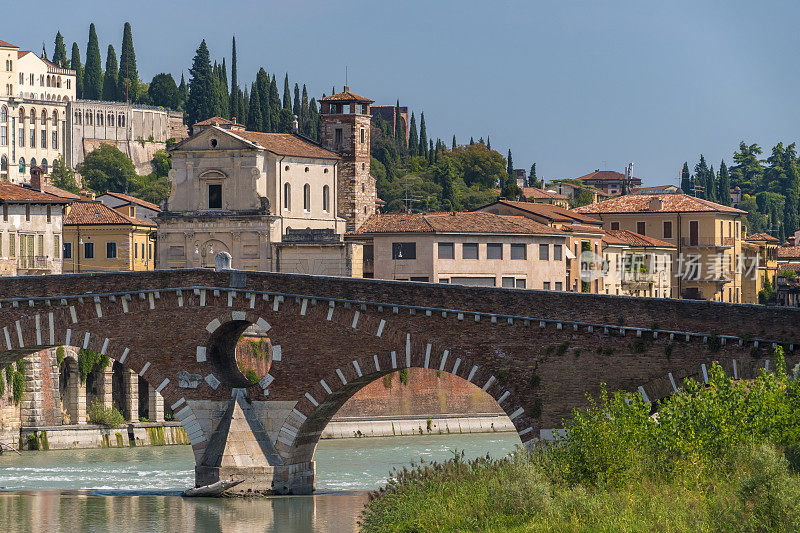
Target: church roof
{"x":346,"y":97}
{"x":286,"y":144}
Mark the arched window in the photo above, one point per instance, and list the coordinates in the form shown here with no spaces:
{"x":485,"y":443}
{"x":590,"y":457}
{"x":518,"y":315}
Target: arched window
{"x":33,"y":116}
{"x":22,"y":165}
{"x":3,"y":114}
{"x":65,"y":99}
{"x":33,"y":162}
{"x":111,"y":119}
{"x":307,"y":197}
{"x":58,"y":82}
{"x":44,"y":165}
{"x":48,"y":81}
{"x":326,"y":198}
{"x":55,"y":117}
{"x":3,"y":164}
{"x":99,"y":119}
{"x":21,"y":115}
{"x":88,"y":118}
{"x":44,"y":117}
{"x":287,"y":196}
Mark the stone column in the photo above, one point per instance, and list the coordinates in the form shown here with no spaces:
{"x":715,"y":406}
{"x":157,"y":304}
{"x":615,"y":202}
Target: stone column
{"x":130,"y":381}
{"x":105,"y":380}
{"x":77,"y":396}
{"x":155,"y":404}
{"x":32,"y":411}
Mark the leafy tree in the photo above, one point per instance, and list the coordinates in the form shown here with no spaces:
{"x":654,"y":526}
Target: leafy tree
{"x":63,"y":177}
{"x":254,"y":120}
{"x":413,"y":138}
{"x":162,"y":163}
{"x":163,"y":92}
{"x":60,"y":52}
{"x":92,"y":73}
{"x":686,"y":179}
{"x":202,"y":103}
{"x":110,"y":77}
{"x":747,"y":170}
{"x":128,"y":79}
{"x":724,"y":187}
{"x":423,"y":136}
{"x":477,"y":165}
{"x":107,"y":169}
{"x":581,"y":197}
{"x":445,"y":176}
{"x":75,"y":64}
{"x":151,"y":188}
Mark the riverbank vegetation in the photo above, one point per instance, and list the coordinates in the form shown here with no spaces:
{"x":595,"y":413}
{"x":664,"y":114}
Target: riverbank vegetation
{"x":722,"y":457}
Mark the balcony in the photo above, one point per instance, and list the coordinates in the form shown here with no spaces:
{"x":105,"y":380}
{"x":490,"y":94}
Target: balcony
{"x":31,"y":263}
{"x":708,"y":242}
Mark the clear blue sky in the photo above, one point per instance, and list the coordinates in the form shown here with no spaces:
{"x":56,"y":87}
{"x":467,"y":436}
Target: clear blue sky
{"x":571,"y":85}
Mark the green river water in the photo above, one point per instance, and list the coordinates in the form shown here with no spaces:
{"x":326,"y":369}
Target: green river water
{"x":138,"y":489}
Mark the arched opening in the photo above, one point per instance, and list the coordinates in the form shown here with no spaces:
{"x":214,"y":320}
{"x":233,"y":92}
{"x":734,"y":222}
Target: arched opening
{"x":69,"y":392}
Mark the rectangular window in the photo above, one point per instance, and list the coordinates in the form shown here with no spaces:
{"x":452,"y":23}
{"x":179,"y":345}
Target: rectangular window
{"x":363,"y":135}
{"x":149,"y":251}
{"x":56,"y":246}
{"x":494,"y":250}
{"x":54,"y":145}
{"x":33,"y":138}
{"x":12,"y":245}
{"x":44,"y":138}
{"x":67,"y":250}
{"x":215,"y":196}
{"x":88,"y":250}
{"x":111,"y":250}
{"x":544,"y":252}
{"x":519,"y":251}
{"x":337,"y":141}
{"x":474,"y":282}
{"x":142,"y":251}
{"x":5,"y":212}
{"x":508,"y":283}
{"x":469,"y":250}
{"x":135,"y":251}
{"x":667,"y":229}
{"x":447,"y":250}
{"x":615,"y":225}
{"x":559,"y":286}
{"x":27,"y":212}
{"x":520,"y":283}
{"x":419,"y":278}
{"x":546,"y":285}
{"x":444,"y":280}
{"x":40,"y":246}
{"x":640,"y":228}
{"x":49,"y":214}
{"x":557,"y":252}
{"x":4,"y":135}
{"x":22,"y":137}
{"x":404,"y":250}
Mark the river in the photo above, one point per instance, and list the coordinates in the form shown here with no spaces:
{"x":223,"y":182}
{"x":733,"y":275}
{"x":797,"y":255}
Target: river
{"x":138,"y":489}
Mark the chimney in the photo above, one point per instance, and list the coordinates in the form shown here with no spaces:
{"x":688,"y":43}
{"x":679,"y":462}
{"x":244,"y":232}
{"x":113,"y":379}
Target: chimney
{"x":87,"y":196}
{"x":655,"y":204}
{"x":233,"y":119}
{"x":346,"y":89}
{"x":295,"y":125}
{"x":38,"y":180}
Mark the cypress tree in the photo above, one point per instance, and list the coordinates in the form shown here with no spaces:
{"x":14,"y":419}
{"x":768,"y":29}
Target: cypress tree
{"x":202,"y":102}
{"x":399,"y":134}
{"x":254,"y":120}
{"x":287,"y":96}
{"x":510,"y":166}
{"x":296,"y":105}
{"x":225,"y":99}
{"x":711,"y":185}
{"x":533,"y":181}
{"x":423,"y":136}
{"x":413,"y":138}
{"x":304,"y":118}
{"x":314,"y":120}
{"x":262,"y":86}
{"x":454,"y":142}
{"x":686,"y":179}
{"x":489,"y":143}
{"x":128,"y":79}
{"x":110,"y":78}
{"x":184,"y":91}
{"x":724,"y":187}
{"x":431,"y":153}
{"x":471,"y":141}
{"x":241,"y":108}
{"x":275,"y":104}
{"x":234,"y":99}
{"x":60,"y":51}
{"x":75,"y":64}
{"x":246,"y":104}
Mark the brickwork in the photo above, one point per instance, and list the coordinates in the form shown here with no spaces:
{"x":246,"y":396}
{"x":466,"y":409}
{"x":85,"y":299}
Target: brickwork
{"x":333,"y":336}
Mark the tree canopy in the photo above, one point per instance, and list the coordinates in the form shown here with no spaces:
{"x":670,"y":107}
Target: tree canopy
{"x":107,"y":169}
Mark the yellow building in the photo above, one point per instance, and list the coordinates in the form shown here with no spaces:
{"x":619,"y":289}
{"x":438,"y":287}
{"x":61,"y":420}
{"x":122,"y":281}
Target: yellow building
{"x":760,"y":263}
{"x":707,"y":236}
{"x":98,"y":238}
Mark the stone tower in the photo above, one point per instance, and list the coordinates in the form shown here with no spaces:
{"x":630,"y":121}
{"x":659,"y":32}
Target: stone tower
{"x":345,"y":129}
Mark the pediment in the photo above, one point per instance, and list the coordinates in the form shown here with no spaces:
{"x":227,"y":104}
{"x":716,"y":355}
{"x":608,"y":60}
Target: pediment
{"x":213,"y":139}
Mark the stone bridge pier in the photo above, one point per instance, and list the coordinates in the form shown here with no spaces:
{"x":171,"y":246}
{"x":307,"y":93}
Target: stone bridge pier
{"x":537,"y":353}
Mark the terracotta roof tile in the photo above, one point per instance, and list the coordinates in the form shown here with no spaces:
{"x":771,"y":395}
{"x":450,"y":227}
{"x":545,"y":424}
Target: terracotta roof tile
{"x":670,"y":203}
{"x":603,"y":175}
{"x":536,"y":193}
{"x":213,"y":121}
{"x":758,"y":237}
{"x":469,"y":222}
{"x":286,"y":144}
{"x":133,"y":200}
{"x":788,"y":252}
{"x":345,"y":97}
{"x":783,"y":267}
{"x":6,"y":44}
{"x":637,"y":240}
{"x":91,"y":213}
{"x":10,"y":193}
{"x":61,"y":193}
{"x":552,"y":212}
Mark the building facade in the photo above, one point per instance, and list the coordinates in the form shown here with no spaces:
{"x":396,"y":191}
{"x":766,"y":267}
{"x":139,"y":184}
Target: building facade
{"x":610,"y":181}
{"x":475,"y":249}
{"x":33,"y":112}
{"x":707,"y":237}
{"x":636,"y":265}
{"x":136,"y":207}
{"x":760,"y":252}
{"x":346,"y":130}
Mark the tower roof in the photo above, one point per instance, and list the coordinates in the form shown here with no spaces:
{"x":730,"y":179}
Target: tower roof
{"x":346,"y":97}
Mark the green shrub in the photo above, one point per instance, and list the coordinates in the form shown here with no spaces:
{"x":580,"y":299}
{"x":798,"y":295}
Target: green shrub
{"x":251,"y":376}
{"x":60,"y":354}
{"x":404,"y":376}
{"x":88,"y":360}
{"x":18,"y":387}
{"x":98,"y":413}
{"x":562,"y":348}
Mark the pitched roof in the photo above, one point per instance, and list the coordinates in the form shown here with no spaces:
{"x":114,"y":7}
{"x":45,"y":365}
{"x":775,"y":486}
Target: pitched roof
{"x":286,"y":144}
{"x":11,"y":194}
{"x":6,"y":44}
{"x":133,"y":200}
{"x":537,"y":193}
{"x":637,"y":240}
{"x":606,"y":175}
{"x":61,"y":193}
{"x":345,"y":97}
{"x":784,"y":267}
{"x":213,"y":121}
{"x":758,"y":237}
{"x":788,"y":251}
{"x":460,"y":222}
{"x":94,"y":213}
{"x":551,"y":212}
{"x":670,"y":203}
{"x":22,"y":53}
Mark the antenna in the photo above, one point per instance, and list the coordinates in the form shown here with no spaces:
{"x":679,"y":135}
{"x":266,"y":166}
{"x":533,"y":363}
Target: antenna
{"x":345,"y":75}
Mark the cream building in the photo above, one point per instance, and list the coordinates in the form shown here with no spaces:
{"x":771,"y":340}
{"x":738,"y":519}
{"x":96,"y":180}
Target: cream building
{"x":637,"y":265}
{"x":268,"y":199}
{"x":33,"y":112}
{"x":476,"y":249}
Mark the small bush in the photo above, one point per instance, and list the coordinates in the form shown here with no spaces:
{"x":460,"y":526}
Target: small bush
{"x":60,"y":354}
{"x":251,"y":376}
{"x":404,"y":376}
{"x":104,"y":416}
{"x":639,"y":346}
{"x":562,"y":348}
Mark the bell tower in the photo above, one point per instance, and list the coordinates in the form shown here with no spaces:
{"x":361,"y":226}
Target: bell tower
{"x":345,"y":125}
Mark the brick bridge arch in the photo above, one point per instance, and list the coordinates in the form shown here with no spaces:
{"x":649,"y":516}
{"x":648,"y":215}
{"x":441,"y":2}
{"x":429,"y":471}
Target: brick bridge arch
{"x":537,"y":353}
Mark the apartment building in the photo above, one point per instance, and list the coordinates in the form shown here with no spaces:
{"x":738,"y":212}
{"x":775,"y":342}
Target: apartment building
{"x":760,"y":253}
{"x":636,"y":265}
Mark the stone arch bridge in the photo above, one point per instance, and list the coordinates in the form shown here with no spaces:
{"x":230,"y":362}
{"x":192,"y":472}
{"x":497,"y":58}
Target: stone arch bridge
{"x":538,"y":353}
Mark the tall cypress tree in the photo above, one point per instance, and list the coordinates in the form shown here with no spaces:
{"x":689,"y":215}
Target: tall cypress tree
{"x":92,"y":73}
{"x":701,"y":172}
{"x":262,"y":86}
{"x":275,"y":104}
{"x":296,"y":104}
{"x":128,"y":79}
{"x":423,"y":136}
{"x":246,"y":104}
{"x":184,"y":92}
{"x":305,"y":127}
{"x":110,"y":78}
{"x":413,"y":138}
{"x":454,"y":141}
{"x":489,"y":143}
{"x":60,"y":51}
{"x":510,"y":166}
{"x":533,"y":181}
{"x":711,"y":185}
{"x":399,"y":134}
{"x":287,"y":96}
{"x":686,"y":179}
{"x":202,"y":103}
{"x":75,"y":64}
{"x":724,"y":187}
{"x":431,"y":153}
{"x":234,"y":99}
{"x":225,"y":99}
{"x":241,"y":108}
{"x":254,"y":120}
{"x":316,"y":124}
